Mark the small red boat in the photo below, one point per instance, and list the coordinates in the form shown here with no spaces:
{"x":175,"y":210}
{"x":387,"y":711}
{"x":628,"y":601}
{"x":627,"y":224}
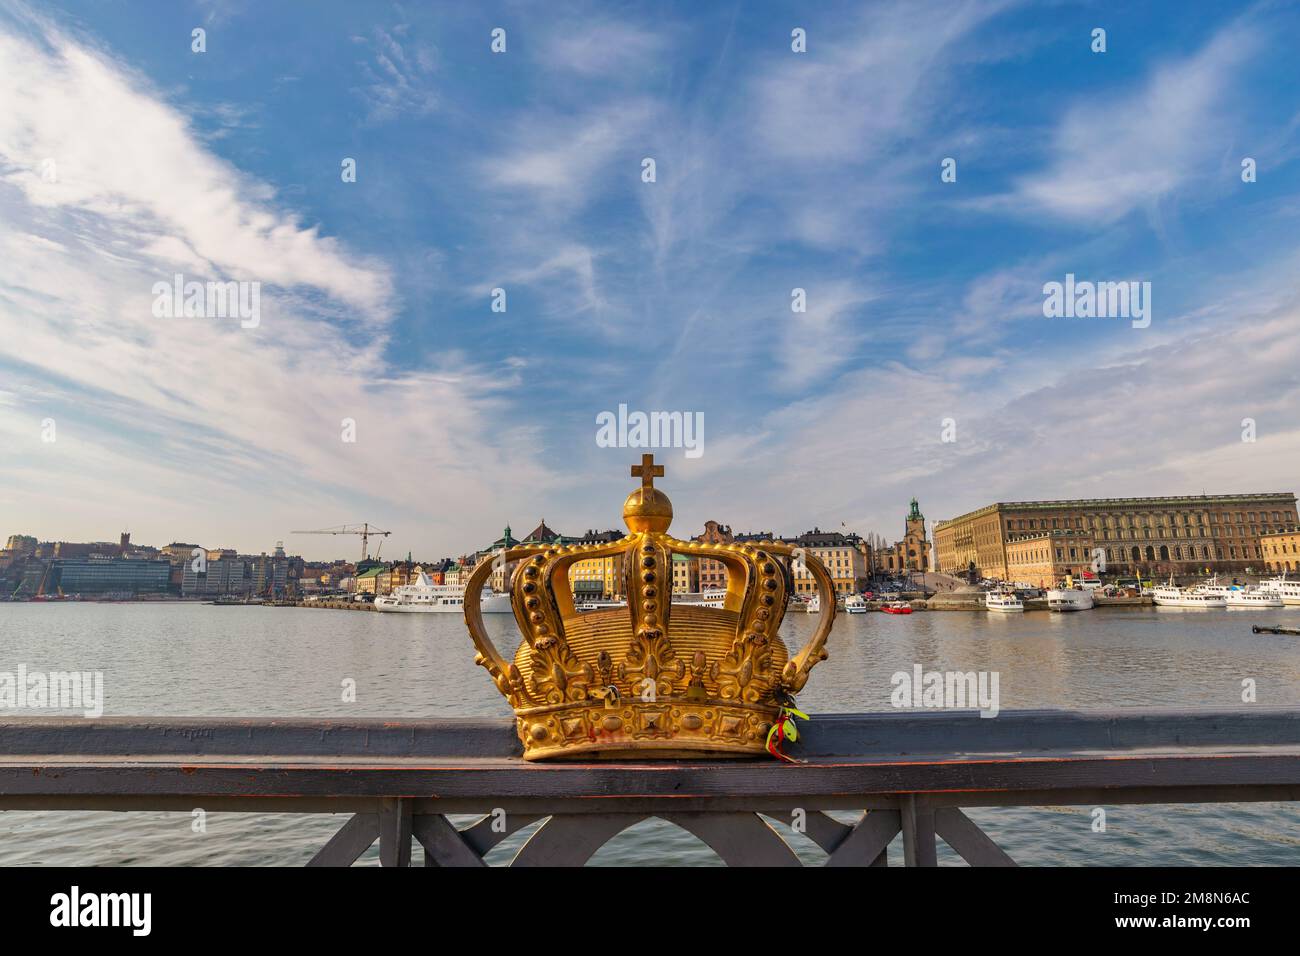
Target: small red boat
{"x":897,"y":607}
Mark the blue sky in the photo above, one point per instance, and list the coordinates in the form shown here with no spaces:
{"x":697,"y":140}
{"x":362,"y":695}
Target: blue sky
{"x":775,"y":170}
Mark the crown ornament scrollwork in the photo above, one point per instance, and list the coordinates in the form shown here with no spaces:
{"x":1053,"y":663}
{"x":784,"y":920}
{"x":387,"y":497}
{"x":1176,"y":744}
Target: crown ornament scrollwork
{"x":654,"y":678}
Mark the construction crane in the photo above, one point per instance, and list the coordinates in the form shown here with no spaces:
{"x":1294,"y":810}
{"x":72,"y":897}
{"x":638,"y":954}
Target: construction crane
{"x":365,"y":529}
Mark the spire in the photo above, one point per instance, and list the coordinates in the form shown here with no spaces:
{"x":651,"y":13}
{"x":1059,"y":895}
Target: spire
{"x":915,"y":513}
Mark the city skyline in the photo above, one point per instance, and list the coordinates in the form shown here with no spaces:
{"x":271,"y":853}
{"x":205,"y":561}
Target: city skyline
{"x":523,"y":171}
{"x":913,"y":522}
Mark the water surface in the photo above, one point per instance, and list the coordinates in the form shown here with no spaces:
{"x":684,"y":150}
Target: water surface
{"x":173,"y":659}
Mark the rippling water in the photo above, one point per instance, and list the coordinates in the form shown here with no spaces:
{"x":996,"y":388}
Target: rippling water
{"x":201,"y":660}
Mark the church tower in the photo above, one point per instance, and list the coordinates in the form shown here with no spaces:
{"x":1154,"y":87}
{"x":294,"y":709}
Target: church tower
{"x":916,"y":548}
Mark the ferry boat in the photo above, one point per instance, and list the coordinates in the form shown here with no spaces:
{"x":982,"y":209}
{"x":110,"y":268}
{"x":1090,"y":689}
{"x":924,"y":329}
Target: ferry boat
{"x":1254,"y":597}
{"x":1169,"y":595}
{"x":1288,"y":591}
{"x":1006,"y":601}
{"x":1069,"y":599}
{"x":897,"y":607}
{"x":814,"y":604}
{"x":426,"y":597}
{"x":714,"y":598}
{"x":855,"y":604}
{"x":599,"y":605}
{"x":1213,"y":586}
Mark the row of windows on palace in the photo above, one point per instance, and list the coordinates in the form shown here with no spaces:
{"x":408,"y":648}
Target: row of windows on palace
{"x":1121,"y":556}
{"x":1130,"y":523}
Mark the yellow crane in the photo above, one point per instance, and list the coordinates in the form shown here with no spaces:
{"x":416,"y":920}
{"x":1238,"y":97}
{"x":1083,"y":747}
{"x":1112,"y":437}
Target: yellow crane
{"x":365,"y":529}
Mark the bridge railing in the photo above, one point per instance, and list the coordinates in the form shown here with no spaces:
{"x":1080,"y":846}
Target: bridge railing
{"x":902,"y":772}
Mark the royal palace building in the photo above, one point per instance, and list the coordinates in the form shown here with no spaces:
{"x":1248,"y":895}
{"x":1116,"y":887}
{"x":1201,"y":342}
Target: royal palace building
{"x":1152,"y":536}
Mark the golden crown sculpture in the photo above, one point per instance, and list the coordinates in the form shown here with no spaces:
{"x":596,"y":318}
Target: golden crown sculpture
{"x":653,"y":679}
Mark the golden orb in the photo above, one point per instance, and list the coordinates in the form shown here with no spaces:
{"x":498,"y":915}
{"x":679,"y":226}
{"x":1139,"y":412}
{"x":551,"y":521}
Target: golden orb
{"x":647,"y":509}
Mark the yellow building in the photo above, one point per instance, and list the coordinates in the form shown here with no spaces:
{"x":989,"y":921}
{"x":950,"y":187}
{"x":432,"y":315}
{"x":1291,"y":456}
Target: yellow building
{"x":844,"y":555}
{"x":597,"y":578}
{"x":1153,"y":536}
{"x":458,"y":574}
{"x":686,"y":574}
{"x":1281,"y":550}
{"x":1044,"y":559}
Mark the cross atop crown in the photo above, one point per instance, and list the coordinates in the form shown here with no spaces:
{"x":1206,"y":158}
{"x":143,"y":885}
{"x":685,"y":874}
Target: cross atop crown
{"x":647,"y":471}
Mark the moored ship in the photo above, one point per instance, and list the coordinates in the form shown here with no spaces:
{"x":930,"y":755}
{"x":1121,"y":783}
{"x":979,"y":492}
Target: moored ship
{"x":1288,"y":591}
{"x":1069,"y":599}
{"x":426,"y":597}
{"x":1003,"y":600}
{"x":1170,"y":595}
{"x":1253,"y":597}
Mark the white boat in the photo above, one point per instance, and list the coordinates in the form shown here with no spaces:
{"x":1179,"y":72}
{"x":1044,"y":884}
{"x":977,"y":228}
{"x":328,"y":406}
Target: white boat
{"x":1169,"y":595}
{"x":714,"y":598}
{"x":1069,"y":599}
{"x":1006,"y":601}
{"x":855,"y":604}
{"x":426,"y":597}
{"x":1254,"y":597}
{"x":599,"y":605}
{"x":1213,"y":586}
{"x":814,"y":604}
{"x":1288,"y":591}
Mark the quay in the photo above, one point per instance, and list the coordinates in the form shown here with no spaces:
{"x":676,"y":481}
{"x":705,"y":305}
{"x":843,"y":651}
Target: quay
{"x":947,"y":603}
{"x":951,"y":601}
{"x":908,"y":772}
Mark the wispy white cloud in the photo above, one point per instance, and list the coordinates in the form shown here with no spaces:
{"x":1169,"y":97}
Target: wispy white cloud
{"x":592,"y":46}
{"x":560,"y":161}
{"x":196,"y":425}
{"x":818,"y":341}
{"x":1115,"y":153}
{"x":399,"y":74}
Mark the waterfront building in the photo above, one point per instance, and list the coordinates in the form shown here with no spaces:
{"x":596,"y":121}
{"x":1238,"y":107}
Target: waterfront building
{"x":1281,"y":549}
{"x":1154,"y":536}
{"x":1045,"y":558}
{"x":77,"y":549}
{"x":20,"y":545}
{"x":542,"y":534}
{"x":507,"y":540}
{"x":108,"y":576}
{"x":401,"y":573}
{"x":844,"y":556}
{"x":367,"y":581}
{"x":686,"y":573}
{"x":178,"y":552}
{"x":712,"y":572}
{"x":598,"y":578}
{"x":276,"y":573}
{"x":458,"y":572}
{"x":223,"y":576}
